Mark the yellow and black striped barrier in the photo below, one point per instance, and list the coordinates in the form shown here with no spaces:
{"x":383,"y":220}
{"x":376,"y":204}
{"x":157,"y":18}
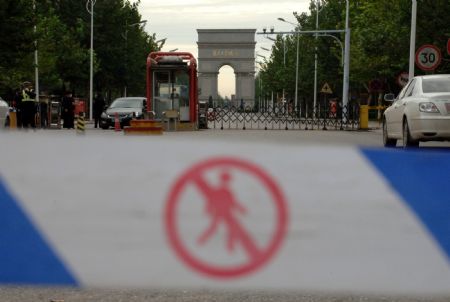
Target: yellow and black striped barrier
{"x":81,"y":124}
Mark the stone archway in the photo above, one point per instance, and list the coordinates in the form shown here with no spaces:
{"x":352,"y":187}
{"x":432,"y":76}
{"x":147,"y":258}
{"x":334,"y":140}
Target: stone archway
{"x":233,"y":47}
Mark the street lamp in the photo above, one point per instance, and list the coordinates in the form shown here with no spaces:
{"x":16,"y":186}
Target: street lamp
{"x":315,"y":56}
{"x":91,"y":69}
{"x":264,"y":48}
{"x":36,"y":63}
{"x":125,"y":36}
{"x":412,"y":43}
{"x":346,"y":79}
{"x":296,"y":67}
{"x":173,"y":50}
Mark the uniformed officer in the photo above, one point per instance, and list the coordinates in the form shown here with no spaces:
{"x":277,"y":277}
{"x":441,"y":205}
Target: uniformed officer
{"x":28,"y":106}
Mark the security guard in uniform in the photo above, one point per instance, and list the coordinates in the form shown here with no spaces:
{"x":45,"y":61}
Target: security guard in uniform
{"x":28,"y":106}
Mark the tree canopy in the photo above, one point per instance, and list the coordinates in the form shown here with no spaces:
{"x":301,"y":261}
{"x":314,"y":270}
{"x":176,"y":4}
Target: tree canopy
{"x":60,"y":29}
{"x":380,"y":37}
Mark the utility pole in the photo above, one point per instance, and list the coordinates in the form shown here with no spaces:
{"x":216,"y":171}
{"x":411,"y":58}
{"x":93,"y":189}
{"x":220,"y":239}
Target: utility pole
{"x":412,"y":45}
{"x":316,"y":58}
{"x":346,"y":58}
{"x":91,"y":70}
{"x":36,"y":62}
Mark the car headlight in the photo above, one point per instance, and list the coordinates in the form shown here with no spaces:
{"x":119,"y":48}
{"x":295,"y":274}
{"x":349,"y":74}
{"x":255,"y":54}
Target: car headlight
{"x":428,"y":107}
{"x":138,"y":113}
{"x":103,"y":115}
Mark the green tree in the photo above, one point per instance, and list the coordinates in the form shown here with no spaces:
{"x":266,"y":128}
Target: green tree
{"x":61,"y":55}
{"x":16,"y":48}
{"x":63,"y":42}
{"x":380,"y":35}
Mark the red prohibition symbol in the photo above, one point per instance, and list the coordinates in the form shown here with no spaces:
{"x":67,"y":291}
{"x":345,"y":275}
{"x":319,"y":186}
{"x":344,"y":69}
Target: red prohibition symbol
{"x":222,"y":208}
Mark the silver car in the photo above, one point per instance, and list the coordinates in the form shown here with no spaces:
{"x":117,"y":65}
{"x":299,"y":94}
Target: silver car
{"x":421,"y":112}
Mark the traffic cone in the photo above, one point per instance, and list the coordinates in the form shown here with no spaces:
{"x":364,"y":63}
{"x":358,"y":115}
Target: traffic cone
{"x":116,"y":122}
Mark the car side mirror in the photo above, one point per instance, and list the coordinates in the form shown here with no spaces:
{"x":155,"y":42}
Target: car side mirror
{"x":389,"y":97}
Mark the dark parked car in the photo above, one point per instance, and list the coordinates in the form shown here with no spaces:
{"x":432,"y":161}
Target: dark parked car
{"x":126,"y":108}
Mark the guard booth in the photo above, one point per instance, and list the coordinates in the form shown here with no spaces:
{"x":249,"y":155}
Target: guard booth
{"x":172,"y":88}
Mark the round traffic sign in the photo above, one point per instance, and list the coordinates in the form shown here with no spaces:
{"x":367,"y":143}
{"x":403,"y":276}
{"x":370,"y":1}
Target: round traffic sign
{"x":223,"y":208}
{"x":428,"y":57}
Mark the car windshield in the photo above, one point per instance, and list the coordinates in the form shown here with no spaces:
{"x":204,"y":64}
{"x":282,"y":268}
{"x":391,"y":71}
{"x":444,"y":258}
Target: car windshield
{"x":127,"y":103}
{"x":436,"y":85}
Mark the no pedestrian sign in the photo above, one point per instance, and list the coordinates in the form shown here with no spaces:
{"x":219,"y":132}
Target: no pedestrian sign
{"x":223,"y":219}
{"x":428,"y":57}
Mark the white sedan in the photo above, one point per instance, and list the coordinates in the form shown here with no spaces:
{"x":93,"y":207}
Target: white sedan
{"x":421,"y":112}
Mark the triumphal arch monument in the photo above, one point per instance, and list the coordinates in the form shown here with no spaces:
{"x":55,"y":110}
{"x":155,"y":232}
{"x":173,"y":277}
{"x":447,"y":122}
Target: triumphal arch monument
{"x":233,"y":47}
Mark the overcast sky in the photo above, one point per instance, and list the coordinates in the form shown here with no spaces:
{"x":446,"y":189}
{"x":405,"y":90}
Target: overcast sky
{"x":178,"y":21}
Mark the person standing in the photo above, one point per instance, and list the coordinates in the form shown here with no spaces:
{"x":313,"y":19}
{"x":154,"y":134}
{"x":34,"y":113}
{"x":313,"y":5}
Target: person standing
{"x":99,"y":105}
{"x":28,"y":106}
{"x":68,"y":111}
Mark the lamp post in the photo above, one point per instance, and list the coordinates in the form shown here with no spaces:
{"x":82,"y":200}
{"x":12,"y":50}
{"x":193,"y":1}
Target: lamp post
{"x":36,"y":63}
{"x":412,"y":44}
{"x":125,"y":36}
{"x":316,"y":56}
{"x":346,"y":58}
{"x":296,"y":66}
{"x":173,"y":50}
{"x":91,"y":69}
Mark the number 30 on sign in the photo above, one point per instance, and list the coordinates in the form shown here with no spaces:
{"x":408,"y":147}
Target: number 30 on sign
{"x":428,"y":57}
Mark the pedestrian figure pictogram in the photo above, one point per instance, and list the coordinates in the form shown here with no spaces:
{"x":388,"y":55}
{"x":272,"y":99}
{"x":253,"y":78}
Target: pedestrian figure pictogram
{"x":222,"y":208}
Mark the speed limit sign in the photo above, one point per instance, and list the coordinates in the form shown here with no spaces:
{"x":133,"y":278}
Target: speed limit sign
{"x":428,"y":57}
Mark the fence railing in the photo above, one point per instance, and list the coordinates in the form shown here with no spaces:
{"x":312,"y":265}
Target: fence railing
{"x":284,"y":117}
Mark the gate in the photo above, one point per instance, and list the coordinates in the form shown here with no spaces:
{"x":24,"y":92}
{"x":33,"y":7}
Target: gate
{"x":283,"y":117}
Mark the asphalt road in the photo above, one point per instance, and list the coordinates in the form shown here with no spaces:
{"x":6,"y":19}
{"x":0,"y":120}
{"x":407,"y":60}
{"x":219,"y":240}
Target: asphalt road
{"x":13,"y":294}
{"x":371,"y":138}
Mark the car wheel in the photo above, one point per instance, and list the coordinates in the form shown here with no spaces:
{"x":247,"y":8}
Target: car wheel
{"x":407,"y":139}
{"x":105,"y":127}
{"x":387,"y":142}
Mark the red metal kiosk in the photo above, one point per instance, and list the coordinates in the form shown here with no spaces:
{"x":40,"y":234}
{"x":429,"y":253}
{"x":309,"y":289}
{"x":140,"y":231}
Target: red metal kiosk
{"x":172,"y":85}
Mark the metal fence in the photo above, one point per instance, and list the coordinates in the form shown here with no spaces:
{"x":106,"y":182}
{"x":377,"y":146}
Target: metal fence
{"x":282,"y":117}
